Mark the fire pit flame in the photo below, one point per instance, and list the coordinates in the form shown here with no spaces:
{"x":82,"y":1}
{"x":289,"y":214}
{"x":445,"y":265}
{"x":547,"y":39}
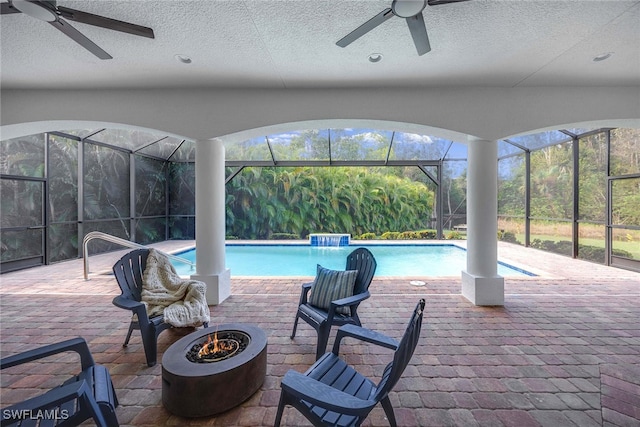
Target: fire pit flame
{"x":218,"y":349}
{"x":218,"y":346}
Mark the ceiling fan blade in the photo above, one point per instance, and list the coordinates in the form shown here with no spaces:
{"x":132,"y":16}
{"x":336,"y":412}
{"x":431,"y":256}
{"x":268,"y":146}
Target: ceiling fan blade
{"x":437,"y":2}
{"x":7,"y":8}
{"x":104,"y":22}
{"x":80,"y":38}
{"x":365,"y":28}
{"x":419,"y":33}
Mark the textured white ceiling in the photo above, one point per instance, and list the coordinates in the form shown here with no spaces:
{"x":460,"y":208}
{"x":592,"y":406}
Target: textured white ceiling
{"x":291,"y":44}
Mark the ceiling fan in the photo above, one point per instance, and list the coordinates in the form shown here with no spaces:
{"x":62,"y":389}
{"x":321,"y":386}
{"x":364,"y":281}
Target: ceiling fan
{"x":411,"y":10}
{"x":48,"y":11}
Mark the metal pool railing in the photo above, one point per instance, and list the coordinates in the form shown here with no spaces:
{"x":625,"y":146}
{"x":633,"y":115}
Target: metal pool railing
{"x":113,"y":239}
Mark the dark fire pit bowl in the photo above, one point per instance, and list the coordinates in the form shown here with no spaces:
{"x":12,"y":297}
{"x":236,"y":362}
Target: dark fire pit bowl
{"x":202,"y":389}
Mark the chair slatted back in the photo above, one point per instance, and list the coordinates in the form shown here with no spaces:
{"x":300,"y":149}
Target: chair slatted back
{"x":129,"y":270}
{"x":403,"y":353}
{"x":362,"y":260}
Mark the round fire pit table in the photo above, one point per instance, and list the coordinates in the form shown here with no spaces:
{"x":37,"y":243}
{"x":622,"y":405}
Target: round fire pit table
{"x":192,"y":389}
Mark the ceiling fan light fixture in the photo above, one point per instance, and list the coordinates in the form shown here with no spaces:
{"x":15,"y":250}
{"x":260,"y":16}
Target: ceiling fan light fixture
{"x":602,"y":57}
{"x":375,"y":57}
{"x":41,"y":10}
{"x":407,"y":8}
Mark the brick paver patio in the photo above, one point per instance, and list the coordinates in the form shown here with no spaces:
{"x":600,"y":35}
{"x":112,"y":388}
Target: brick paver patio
{"x":534,"y":362}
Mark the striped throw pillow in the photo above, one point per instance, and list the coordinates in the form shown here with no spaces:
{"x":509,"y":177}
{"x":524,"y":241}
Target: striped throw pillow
{"x":330,"y":285}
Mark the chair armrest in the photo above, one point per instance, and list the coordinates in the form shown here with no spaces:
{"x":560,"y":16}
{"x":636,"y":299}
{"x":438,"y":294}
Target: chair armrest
{"x":345,"y":302}
{"x":363,"y":334}
{"x":355,"y":299}
{"x":79,"y":345}
{"x":136,"y":307}
{"x":126,"y":303}
{"x":52,"y":399}
{"x":306,"y":287}
{"x":320,"y":394}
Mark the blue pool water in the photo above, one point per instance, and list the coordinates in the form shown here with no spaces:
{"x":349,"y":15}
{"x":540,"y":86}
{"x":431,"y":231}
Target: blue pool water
{"x":301,"y":260}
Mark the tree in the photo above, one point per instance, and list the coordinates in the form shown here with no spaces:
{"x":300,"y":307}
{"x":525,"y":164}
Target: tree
{"x":299,"y":201}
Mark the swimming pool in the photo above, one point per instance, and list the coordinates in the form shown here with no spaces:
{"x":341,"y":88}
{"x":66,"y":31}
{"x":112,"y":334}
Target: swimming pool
{"x":301,"y":260}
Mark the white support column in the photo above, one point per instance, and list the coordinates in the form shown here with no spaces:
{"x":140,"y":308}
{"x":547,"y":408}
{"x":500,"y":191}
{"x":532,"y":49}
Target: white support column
{"x":210,"y":221}
{"x":480,"y":282}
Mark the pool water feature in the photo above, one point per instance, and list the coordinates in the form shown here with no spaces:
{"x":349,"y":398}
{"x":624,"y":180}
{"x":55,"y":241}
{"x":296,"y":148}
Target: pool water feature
{"x":327,"y":239}
{"x":301,"y":260}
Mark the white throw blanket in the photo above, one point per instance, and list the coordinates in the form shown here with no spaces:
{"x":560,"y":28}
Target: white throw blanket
{"x":182,"y":301}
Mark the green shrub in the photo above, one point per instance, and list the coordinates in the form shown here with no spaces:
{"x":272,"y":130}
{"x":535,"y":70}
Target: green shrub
{"x":563,"y":247}
{"x":284,"y":236}
{"x":453,"y":235}
{"x":408,"y":235}
{"x":586,"y":252}
{"x":301,"y":200}
{"x":597,"y":254}
{"x":507,"y":236}
{"x":367,"y":236}
{"x":390,"y":235}
{"x":427,"y":234}
{"x":622,"y":252}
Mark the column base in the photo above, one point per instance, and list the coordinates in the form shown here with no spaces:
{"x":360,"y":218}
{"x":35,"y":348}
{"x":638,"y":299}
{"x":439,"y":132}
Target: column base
{"x":483,"y":290}
{"x":218,"y":286}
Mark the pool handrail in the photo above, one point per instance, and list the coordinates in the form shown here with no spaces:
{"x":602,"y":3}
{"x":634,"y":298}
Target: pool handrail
{"x":113,"y":239}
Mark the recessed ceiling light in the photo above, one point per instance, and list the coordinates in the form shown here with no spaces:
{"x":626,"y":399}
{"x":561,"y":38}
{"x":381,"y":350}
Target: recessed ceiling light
{"x":375,"y":57}
{"x":602,"y":56}
{"x":182,"y":58}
